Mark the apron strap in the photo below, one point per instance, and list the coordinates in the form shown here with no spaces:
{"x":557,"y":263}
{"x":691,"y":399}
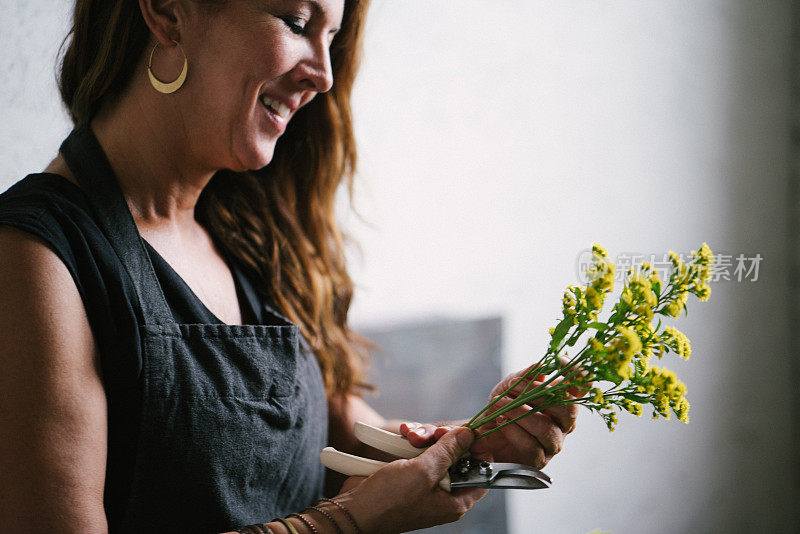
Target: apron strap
{"x":85,"y":158}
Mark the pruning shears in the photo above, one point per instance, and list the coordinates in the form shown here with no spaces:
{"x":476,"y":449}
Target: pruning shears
{"x":466,"y":472}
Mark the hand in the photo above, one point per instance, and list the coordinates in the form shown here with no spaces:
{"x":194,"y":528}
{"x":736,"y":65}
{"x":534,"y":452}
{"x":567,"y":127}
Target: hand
{"x":405,"y":494}
{"x":532,"y":440}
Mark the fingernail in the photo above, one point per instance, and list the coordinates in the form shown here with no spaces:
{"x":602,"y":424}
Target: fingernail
{"x":465,"y":438}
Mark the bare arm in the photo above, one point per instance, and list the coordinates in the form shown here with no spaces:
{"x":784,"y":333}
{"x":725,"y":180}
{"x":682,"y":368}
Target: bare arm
{"x":52,"y":402}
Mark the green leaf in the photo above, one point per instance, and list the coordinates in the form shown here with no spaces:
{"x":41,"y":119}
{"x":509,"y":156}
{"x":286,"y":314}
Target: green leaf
{"x":597,"y":325}
{"x":560,"y":331}
{"x":656,"y":287}
{"x":635,"y":398}
{"x":580,"y":330}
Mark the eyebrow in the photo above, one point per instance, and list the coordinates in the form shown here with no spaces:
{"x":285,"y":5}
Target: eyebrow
{"x":319,"y":10}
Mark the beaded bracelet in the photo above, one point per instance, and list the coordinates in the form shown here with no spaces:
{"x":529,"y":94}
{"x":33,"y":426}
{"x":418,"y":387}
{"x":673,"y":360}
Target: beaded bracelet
{"x":306,"y":522}
{"x":327,"y":516}
{"x":292,"y":529}
{"x":346,"y":513}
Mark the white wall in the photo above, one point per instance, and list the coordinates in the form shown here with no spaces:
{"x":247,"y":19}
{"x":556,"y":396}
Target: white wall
{"x":32,"y":122}
{"x":500,"y":138}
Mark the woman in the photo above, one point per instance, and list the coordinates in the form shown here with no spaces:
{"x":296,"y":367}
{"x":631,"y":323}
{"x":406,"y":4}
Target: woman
{"x":173,"y":315}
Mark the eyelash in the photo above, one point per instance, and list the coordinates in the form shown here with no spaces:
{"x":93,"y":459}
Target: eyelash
{"x":294,"y":27}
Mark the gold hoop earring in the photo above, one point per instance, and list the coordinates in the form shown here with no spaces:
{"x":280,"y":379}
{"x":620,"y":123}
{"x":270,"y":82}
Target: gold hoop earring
{"x":171,"y":87}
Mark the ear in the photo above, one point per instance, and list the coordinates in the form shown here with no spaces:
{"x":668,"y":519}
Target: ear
{"x":165,"y":18}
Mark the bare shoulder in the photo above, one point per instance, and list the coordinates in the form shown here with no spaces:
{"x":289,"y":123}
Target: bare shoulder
{"x":53,"y":408}
{"x":59,"y":166}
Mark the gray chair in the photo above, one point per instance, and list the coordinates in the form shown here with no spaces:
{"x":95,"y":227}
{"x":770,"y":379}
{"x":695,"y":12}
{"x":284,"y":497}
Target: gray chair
{"x":440,"y":370}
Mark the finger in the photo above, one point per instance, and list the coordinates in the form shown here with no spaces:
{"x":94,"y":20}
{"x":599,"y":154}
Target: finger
{"x":540,"y":426}
{"x":526,"y":386}
{"x":564,"y":416}
{"x":441,"y":431}
{"x":512,"y":379}
{"x":577,"y":375}
{"x":405,"y":427}
{"x":421,"y":436}
{"x":445,"y":452}
{"x":468,"y":496}
{"x":482,"y":450}
{"x":545,"y":432}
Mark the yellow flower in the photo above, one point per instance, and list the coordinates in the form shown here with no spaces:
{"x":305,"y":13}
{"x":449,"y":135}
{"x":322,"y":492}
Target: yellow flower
{"x":683,"y":411}
{"x":644,"y":311}
{"x":624,"y":370}
{"x":628,"y":343}
{"x":662,"y":405}
{"x":611,"y":420}
{"x":601,"y":274}
{"x":703,"y":256}
{"x":597,"y":395}
{"x":599,"y":251}
{"x":627,"y":296}
{"x":594,"y":300}
{"x":568,"y":302}
{"x":649,"y":297}
{"x":703,"y":291}
{"x":636,"y":280}
{"x":633,"y":407}
{"x":644,"y":361}
{"x":675,"y":339}
{"x":677,"y":391}
{"x":673,"y":309}
{"x":655,"y":277}
{"x":703,"y":273}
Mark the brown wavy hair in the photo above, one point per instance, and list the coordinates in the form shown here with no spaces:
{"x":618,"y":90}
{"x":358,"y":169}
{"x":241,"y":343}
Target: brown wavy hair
{"x":279,"y":221}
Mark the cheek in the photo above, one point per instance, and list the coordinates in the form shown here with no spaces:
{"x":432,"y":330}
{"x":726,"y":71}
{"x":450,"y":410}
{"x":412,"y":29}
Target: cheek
{"x":274,"y":59}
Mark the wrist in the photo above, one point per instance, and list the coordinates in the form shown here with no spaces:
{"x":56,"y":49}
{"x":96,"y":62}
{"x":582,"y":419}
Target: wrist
{"x":355,"y":515}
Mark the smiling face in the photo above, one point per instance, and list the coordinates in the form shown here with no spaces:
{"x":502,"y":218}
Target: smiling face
{"x":252,"y":64}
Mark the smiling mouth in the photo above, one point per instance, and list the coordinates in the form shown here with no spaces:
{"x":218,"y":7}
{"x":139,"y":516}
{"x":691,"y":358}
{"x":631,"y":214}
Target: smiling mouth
{"x":276,"y":107}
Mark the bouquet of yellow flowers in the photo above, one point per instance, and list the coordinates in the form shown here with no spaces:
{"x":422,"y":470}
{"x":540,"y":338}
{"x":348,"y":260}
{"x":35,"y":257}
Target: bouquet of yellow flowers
{"x":613,"y":367}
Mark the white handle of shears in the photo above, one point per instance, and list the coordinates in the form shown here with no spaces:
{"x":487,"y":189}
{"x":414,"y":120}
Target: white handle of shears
{"x":356,"y":466}
{"x":386,"y":441}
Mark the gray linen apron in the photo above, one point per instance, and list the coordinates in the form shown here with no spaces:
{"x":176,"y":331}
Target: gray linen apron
{"x":232,"y":416}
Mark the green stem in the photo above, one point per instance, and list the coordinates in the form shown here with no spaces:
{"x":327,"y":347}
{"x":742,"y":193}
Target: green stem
{"x":526,"y":398}
{"x":538,"y":409}
{"x":527,"y":374}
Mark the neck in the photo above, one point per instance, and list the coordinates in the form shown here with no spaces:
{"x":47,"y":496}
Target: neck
{"x":152,"y":156}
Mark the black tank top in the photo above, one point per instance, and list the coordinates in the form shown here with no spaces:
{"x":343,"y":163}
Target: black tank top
{"x":54,"y":209}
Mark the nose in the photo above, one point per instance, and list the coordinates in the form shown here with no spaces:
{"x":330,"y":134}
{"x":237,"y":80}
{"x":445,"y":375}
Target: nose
{"x":314,"y":72}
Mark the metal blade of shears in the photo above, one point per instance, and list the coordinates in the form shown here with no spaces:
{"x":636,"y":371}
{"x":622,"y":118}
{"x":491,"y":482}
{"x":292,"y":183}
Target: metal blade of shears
{"x":473,"y":473}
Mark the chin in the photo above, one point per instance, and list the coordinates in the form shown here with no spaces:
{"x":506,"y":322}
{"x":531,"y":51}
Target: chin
{"x":256,"y":157}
